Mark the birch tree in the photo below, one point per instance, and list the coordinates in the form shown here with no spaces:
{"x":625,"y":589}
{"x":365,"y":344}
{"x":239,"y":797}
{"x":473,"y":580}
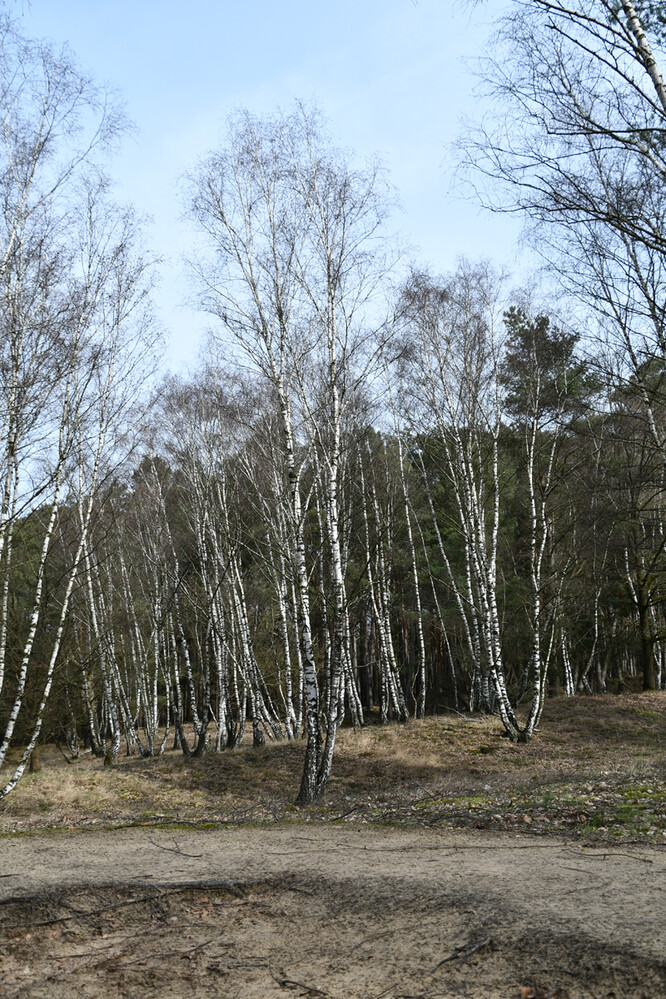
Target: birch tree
{"x":84,"y":433}
{"x":451,"y":367}
{"x":294,"y":235}
{"x":577,"y":146}
{"x":547,"y":388}
{"x":379,"y":540}
{"x":73,"y":293}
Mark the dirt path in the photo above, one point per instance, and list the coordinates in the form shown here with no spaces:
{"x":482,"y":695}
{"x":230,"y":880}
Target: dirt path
{"x":329,"y":910}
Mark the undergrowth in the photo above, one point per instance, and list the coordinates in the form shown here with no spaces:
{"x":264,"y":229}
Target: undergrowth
{"x":596,"y":769}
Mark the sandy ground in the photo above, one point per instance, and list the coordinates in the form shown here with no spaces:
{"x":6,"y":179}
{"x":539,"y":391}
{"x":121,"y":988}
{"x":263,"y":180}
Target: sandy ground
{"x":338,"y":911}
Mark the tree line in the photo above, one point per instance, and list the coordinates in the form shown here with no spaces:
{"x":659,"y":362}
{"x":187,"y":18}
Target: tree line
{"x":385,"y":491}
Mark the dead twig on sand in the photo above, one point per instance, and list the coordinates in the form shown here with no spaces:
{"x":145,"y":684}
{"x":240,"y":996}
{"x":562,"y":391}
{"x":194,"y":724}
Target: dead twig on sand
{"x":371,"y":939}
{"x":614,"y":853}
{"x":174,"y":886}
{"x":168,"y":887}
{"x":174,"y":849}
{"x":248,"y":964}
{"x":79,"y":913}
{"x":572,"y":891}
{"x":460,"y":954}
{"x":290,"y":983}
{"x":157,"y":956}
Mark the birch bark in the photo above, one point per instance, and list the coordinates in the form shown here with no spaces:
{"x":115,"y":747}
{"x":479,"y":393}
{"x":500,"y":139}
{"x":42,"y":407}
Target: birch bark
{"x":288,"y":219}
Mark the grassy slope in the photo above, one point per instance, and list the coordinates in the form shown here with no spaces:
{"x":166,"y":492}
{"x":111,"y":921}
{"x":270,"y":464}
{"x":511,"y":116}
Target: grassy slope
{"x":597,"y":768}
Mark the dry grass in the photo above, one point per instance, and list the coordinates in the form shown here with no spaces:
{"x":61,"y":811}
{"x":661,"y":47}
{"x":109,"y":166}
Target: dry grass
{"x":597,"y":767}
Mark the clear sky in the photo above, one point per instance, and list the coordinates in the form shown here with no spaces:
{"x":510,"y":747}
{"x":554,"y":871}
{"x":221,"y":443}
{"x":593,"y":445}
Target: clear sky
{"x":393,"y":78}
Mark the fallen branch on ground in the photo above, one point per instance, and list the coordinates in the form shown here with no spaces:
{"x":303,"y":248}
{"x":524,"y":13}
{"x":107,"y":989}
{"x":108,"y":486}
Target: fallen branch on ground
{"x":290,"y":983}
{"x":462,"y":954}
{"x":173,"y":887}
{"x":174,"y":849}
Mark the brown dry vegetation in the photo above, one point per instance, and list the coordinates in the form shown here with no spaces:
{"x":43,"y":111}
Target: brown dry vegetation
{"x":597,"y":768}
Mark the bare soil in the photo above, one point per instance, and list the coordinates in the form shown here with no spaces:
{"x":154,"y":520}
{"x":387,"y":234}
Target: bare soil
{"x":336,"y":911}
{"x":445,"y":862}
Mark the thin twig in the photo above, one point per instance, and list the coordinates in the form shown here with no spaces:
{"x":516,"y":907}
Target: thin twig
{"x":615,"y":853}
{"x":429,"y":793}
{"x":572,"y":891}
{"x":366,"y":940}
{"x":172,"y":887}
{"x":384,"y":992}
{"x":174,"y":849}
{"x":290,"y":983}
{"x":462,"y":954}
{"x":78,"y":913}
{"x":176,"y":886}
{"x":249,"y":964}
{"x":188,"y":952}
{"x":336,"y":818}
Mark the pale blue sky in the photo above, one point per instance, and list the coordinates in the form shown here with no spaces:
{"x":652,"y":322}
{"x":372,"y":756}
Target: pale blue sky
{"x":391,"y":76}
